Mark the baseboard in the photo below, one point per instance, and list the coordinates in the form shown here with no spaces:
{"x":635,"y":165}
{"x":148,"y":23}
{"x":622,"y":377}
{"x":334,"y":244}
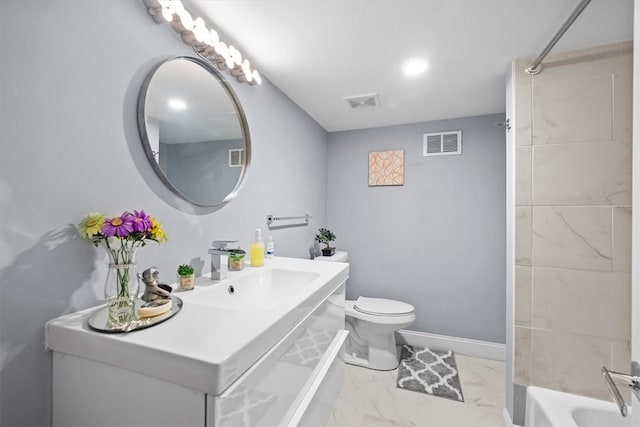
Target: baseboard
{"x":466,"y":346}
{"x":506,"y":418}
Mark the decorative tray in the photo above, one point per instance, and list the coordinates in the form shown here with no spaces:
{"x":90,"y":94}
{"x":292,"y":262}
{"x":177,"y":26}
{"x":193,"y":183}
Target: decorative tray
{"x":98,"y":321}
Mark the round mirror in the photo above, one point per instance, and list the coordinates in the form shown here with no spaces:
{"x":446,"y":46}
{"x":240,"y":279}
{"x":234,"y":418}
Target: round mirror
{"x":194,"y":131}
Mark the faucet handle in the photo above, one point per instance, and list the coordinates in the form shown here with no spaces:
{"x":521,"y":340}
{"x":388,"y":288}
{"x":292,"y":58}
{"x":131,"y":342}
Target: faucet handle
{"x":632,"y":381}
{"x":225,"y":244}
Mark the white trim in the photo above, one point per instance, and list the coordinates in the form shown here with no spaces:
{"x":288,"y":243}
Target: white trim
{"x":635,"y":212}
{"x":510,"y":202}
{"x":466,"y":346}
{"x":506,"y":418}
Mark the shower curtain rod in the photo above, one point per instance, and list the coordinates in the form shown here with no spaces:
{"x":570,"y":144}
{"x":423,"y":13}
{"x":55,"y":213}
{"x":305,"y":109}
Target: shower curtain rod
{"x":535,"y":66}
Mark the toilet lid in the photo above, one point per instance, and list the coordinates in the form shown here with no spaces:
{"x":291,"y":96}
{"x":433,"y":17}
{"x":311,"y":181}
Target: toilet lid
{"x":381,"y":306}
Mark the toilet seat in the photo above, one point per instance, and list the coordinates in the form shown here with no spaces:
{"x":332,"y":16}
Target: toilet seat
{"x":377,"y":318}
{"x":382,"y":307}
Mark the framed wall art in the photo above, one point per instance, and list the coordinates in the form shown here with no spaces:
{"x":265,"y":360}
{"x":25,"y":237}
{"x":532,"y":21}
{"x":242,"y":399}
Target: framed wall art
{"x":386,"y":168}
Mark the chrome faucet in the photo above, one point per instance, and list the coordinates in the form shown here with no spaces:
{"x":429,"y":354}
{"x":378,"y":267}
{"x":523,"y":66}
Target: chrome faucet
{"x":631,"y":381}
{"x":220,"y":250}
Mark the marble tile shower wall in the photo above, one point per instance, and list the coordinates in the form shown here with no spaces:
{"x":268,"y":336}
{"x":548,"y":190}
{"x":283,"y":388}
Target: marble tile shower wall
{"x":573,"y":219}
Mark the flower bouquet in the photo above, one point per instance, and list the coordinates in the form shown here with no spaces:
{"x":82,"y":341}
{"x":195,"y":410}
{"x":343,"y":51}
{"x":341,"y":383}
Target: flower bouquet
{"x":121,"y":236}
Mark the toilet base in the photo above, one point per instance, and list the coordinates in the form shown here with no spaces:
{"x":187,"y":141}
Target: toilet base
{"x":379,"y":359}
{"x":371,"y":342}
{"x":357,"y":361}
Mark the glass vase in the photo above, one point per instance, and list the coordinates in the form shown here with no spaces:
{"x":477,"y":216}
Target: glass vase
{"x":120,"y":293}
{"x":121,"y":287}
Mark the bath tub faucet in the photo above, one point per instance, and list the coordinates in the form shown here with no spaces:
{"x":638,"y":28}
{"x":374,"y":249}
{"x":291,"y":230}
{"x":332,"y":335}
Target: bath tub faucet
{"x":220,"y":250}
{"x":631,"y":381}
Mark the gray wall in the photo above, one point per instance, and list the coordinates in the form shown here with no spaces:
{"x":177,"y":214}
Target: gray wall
{"x":438,"y":242}
{"x":69,"y":81}
{"x":200,"y":170}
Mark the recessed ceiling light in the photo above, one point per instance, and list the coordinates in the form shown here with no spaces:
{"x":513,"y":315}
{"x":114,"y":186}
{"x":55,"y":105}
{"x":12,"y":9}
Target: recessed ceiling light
{"x":415,"y":66}
{"x":177,"y":104}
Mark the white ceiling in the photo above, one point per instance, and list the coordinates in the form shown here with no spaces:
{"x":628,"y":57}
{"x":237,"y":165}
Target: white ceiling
{"x":208,"y":113}
{"x":318,"y":52}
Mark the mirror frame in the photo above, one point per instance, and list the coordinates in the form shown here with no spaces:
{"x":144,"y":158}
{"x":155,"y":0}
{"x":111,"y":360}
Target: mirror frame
{"x":142,"y":128}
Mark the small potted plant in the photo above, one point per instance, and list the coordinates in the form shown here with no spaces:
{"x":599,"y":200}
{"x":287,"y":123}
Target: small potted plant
{"x":236,"y":260}
{"x":326,"y":236}
{"x":186,"y":276}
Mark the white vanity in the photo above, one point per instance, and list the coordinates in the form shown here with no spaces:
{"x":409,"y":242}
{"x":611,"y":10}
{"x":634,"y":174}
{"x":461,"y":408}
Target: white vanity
{"x":258,"y":348}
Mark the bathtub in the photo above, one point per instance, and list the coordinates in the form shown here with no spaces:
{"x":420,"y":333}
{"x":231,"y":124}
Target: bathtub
{"x":550,"y":408}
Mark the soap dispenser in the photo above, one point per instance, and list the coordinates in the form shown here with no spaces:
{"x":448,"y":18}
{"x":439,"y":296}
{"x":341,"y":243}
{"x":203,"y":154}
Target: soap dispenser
{"x":256,"y":250}
{"x":270,"y":247}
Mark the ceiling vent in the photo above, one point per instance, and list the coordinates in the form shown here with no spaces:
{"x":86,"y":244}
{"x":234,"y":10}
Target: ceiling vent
{"x":363,"y":101}
{"x":442,"y":143}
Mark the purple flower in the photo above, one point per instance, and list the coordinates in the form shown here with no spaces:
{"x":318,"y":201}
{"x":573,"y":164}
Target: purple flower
{"x":119,"y":226}
{"x":141,"y":222}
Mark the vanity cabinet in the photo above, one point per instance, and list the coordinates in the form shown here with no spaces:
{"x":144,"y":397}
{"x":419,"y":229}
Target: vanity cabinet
{"x":278,"y":389}
{"x":295,"y":381}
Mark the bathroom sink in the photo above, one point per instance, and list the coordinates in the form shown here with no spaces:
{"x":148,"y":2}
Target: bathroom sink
{"x":255,"y":289}
{"x":218,"y":334}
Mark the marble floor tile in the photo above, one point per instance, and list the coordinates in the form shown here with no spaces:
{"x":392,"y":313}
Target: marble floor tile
{"x":344,"y":414}
{"x":371,"y":421}
{"x":375,"y":393}
{"x":447,"y":413}
{"x":371,"y":398}
{"x":482,"y":382}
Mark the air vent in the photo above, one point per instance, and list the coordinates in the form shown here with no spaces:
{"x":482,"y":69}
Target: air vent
{"x":442,"y":143}
{"x":363,"y":101}
{"x":236,"y":157}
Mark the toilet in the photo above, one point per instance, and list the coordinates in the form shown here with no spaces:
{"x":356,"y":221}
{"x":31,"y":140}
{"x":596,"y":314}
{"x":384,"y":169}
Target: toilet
{"x":372,"y":323}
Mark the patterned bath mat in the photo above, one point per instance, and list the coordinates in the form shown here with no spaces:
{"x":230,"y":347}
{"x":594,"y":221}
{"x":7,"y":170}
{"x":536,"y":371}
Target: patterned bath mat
{"x":429,"y":371}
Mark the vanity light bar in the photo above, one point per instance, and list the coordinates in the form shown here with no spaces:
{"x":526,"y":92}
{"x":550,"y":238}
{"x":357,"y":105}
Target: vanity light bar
{"x":204,"y":41}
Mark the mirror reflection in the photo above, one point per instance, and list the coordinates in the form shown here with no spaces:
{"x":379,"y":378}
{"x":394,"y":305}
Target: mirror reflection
{"x":194,"y":131}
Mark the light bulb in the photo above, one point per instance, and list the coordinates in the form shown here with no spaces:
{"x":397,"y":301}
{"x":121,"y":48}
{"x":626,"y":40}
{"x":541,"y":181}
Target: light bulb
{"x":222,"y":49}
{"x":176,"y":6}
{"x":256,"y":77}
{"x":215,"y":39}
{"x":200,"y":31}
{"x":235,"y":55}
{"x":228,"y":61}
{"x":186,"y":21}
{"x":246,"y":69}
{"x":246,"y":73}
{"x":167,"y":14}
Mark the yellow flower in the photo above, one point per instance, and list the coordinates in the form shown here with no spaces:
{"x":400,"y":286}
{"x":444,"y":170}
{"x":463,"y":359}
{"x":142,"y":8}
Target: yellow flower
{"x":157,"y":232}
{"x":91,"y":225}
